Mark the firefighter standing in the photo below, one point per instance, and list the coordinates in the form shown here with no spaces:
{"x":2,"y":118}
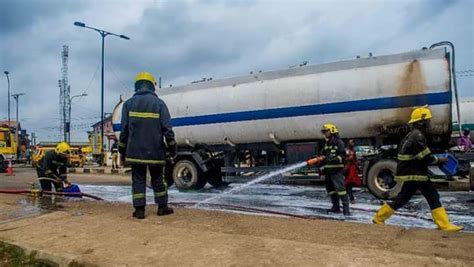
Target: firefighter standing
{"x":53,"y":165}
{"x":145,"y":125}
{"x":413,"y":159}
{"x":333,"y":166}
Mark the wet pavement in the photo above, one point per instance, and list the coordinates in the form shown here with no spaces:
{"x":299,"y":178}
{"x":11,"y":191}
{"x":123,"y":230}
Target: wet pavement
{"x":310,"y":201}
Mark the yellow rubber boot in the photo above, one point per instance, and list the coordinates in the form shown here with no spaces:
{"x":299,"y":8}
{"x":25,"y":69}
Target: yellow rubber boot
{"x":383,"y":214}
{"x":441,"y":219}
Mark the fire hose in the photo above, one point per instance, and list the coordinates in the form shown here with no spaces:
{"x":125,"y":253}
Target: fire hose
{"x":37,"y":192}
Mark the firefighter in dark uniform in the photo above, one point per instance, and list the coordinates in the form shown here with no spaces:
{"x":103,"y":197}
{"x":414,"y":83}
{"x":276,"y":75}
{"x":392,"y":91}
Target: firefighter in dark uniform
{"x":53,"y":166}
{"x":333,"y":166}
{"x":145,"y":128}
{"x":414,"y":156}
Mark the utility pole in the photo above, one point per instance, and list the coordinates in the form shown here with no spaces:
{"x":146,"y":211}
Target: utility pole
{"x":8,"y":80}
{"x":33,"y":139}
{"x":69,"y":119}
{"x":103,"y":34}
{"x":16,"y":97}
{"x":64,"y":94}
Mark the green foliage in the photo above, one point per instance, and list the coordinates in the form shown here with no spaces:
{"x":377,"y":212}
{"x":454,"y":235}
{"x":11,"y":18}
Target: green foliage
{"x":11,"y":255}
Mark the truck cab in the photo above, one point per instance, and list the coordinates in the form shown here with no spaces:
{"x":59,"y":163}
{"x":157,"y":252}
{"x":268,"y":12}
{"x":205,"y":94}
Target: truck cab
{"x":8,"y":147}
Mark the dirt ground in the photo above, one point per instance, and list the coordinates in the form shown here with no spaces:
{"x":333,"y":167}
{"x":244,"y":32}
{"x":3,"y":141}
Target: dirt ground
{"x":104,"y":234}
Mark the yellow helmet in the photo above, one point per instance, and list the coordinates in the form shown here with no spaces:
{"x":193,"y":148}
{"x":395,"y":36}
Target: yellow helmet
{"x":420,"y":114}
{"x":63,"y":148}
{"x":145,"y":76}
{"x":329,"y":127}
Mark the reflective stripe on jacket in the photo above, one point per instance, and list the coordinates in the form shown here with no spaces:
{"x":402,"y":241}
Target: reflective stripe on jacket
{"x":414,"y":156}
{"x":335,"y":154}
{"x":145,"y":125}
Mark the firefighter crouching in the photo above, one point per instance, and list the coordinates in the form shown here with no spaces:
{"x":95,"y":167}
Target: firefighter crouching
{"x":145,"y":127}
{"x":53,"y":167}
{"x":414,"y":156}
{"x":333,"y":166}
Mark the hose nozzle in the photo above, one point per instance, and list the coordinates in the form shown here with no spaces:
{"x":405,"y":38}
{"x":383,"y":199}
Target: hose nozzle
{"x":315,"y":161}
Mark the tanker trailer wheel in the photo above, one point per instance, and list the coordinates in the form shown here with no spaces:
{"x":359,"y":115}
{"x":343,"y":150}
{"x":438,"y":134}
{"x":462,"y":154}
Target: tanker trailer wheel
{"x":186,"y":176}
{"x":381,"y":179}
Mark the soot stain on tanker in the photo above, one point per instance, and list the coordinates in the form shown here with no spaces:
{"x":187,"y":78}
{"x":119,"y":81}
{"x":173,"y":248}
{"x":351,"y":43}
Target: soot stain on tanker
{"x":411,"y":82}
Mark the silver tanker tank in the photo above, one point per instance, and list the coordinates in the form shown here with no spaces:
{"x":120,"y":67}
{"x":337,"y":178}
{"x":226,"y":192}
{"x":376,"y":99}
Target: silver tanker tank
{"x":265,"y":119}
{"x":364,"y":97}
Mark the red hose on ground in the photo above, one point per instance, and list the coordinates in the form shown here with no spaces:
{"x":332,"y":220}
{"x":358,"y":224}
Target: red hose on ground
{"x":250,"y":209}
{"x":24,"y":191}
{"x":66,"y":194}
{"x":14,"y":191}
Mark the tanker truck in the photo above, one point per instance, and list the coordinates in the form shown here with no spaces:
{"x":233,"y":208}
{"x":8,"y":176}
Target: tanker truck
{"x":229,"y":128}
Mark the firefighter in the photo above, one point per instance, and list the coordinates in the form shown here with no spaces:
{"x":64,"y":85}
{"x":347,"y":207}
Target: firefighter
{"x":53,"y":165}
{"x":414,"y":156}
{"x":145,"y":128}
{"x":333,"y":166}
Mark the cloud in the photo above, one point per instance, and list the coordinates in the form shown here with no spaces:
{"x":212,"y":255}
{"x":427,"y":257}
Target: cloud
{"x":184,"y":41}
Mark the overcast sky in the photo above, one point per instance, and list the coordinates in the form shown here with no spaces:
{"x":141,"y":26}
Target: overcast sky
{"x":183,"y":41}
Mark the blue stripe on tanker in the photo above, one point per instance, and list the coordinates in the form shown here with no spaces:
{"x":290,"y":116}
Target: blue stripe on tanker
{"x":317,"y":109}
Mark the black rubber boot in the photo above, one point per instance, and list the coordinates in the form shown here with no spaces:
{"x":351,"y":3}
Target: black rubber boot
{"x":345,"y":206}
{"x":139,"y":213}
{"x":335,"y":205}
{"x":164,"y":210}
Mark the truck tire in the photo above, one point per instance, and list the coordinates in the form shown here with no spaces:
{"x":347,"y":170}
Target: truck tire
{"x":381,"y":179}
{"x":187,"y":176}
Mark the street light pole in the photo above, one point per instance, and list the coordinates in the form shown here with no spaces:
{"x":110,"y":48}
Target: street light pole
{"x":103,"y":34}
{"x":16,"y":97}
{"x":70,"y":109}
{"x":8,"y":80}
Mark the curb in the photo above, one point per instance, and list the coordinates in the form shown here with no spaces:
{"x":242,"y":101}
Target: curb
{"x":99,"y":171}
{"x":46,"y":257}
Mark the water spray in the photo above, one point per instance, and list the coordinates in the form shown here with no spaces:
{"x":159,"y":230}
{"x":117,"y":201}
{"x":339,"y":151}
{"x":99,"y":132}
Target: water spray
{"x":267,"y":176}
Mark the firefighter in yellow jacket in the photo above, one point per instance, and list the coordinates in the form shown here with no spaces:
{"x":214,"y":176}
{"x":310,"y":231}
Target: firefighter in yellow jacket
{"x":412,"y":169}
